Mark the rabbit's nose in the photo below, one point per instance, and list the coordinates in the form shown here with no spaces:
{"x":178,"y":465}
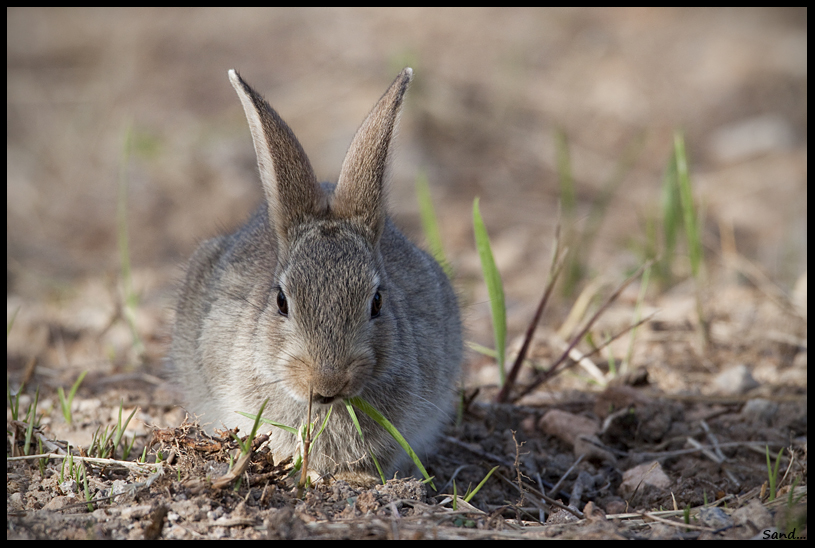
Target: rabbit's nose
{"x":328,"y":386}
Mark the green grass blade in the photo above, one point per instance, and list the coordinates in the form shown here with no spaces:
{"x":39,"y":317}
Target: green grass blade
{"x":469,"y":497}
{"x":671,"y":218}
{"x":646,"y":277}
{"x":257,"y":420}
{"x":131,"y":299}
{"x":689,"y":216}
{"x":31,"y":418}
{"x":490,"y":352}
{"x":430,"y":223}
{"x":692,"y":231}
{"x":10,"y":323}
{"x":63,"y":403}
{"x":75,"y":387}
{"x":128,"y":447}
{"x":13,"y":401}
{"x":247,"y":446}
{"x":568,"y":205}
{"x":568,"y":199}
{"x":495,"y":287}
{"x":772,"y":472}
{"x":455,"y":496}
{"x":325,"y":421}
{"x":120,"y":428}
{"x":289,"y":429}
{"x":380,"y":419}
{"x":378,"y":469}
{"x":66,"y":403}
{"x":354,"y":419}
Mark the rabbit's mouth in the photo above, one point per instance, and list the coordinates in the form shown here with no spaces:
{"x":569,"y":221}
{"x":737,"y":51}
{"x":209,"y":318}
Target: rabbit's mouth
{"x":327,"y":384}
{"x":324,"y":400}
{"x":329,"y":397}
{"x":326,"y":394}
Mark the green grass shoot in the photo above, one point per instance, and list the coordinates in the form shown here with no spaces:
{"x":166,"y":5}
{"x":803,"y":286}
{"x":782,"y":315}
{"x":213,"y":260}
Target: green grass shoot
{"x":246,"y":451}
{"x":478,"y":487}
{"x":246,"y":446}
{"x":692,"y":229}
{"x":119,"y":432}
{"x":128,"y":447}
{"x":671,"y":220}
{"x":300,"y":433}
{"x":495,"y":288}
{"x":568,"y":201}
{"x":131,"y":299}
{"x":354,"y":419}
{"x":350,"y":403}
{"x":87,"y":490}
{"x":689,"y":217}
{"x":481,"y":349}
{"x":31,"y":418}
{"x":455,"y":496}
{"x":62,"y":468}
{"x":100,"y":442}
{"x":322,"y":427}
{"x":380,"y":419}
{"x":10,"y":323}
{"x":646,"y":277}
{"x":105,"y":440}
{"x":66,"y":403}
{"x":289,"y":429}
{"x":568,"y":206}
{"x":580,"y":241}
{"x":679,"y":212}
{"x":772,"y":472}
{"x":612,"y":363}
{"x":13,"y":400}
{"x":430,"y":223}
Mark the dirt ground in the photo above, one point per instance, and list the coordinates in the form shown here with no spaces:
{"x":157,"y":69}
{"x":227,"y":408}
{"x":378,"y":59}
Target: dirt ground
{"x":114,"y":111}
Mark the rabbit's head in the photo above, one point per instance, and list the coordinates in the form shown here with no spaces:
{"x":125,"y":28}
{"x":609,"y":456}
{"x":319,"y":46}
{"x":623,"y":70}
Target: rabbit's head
{"x":333,"y":323}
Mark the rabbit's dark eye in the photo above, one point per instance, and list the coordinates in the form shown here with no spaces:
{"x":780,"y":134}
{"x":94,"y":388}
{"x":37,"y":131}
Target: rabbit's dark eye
{"x":282,"y":303}
{"x":376,"y":305}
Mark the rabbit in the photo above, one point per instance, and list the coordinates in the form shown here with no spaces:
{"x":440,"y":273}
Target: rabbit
{"x":320,"y":297}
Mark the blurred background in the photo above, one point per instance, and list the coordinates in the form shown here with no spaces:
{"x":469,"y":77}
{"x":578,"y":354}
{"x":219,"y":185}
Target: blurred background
{"x":113,"y":111}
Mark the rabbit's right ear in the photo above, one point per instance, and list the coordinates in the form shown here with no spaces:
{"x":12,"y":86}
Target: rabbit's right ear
{"x":360,"y":193}
{"x":289,"y":183}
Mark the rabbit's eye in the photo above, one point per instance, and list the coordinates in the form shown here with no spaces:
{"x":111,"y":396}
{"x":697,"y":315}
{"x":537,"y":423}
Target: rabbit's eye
{"x":282,"y":303}
{"x":376,"y":305}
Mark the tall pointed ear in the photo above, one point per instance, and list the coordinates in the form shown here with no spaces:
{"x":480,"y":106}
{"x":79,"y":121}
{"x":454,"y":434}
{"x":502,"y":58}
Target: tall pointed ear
{"x":291,"y":189}
{"x":360,"y":192}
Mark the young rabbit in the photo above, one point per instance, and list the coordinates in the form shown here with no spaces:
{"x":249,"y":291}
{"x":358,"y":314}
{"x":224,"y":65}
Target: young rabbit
{"x":320,"y":296}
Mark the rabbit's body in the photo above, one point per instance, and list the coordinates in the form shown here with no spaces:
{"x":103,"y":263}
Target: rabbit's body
{"x":320,"y":296}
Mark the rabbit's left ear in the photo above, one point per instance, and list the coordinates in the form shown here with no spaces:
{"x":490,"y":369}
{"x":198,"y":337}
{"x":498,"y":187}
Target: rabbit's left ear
{"x":289,"y":183}
{"x":360,"y":192}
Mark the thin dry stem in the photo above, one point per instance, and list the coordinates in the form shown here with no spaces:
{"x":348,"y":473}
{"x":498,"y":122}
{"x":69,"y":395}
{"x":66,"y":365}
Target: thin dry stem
{"x":134,"y":466}
{"x":554,"y":271}
{"x":301,"y":484}
{"x":555,"y":368}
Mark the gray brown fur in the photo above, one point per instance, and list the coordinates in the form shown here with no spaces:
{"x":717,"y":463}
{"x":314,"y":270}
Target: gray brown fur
{"x":329,"y":249}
